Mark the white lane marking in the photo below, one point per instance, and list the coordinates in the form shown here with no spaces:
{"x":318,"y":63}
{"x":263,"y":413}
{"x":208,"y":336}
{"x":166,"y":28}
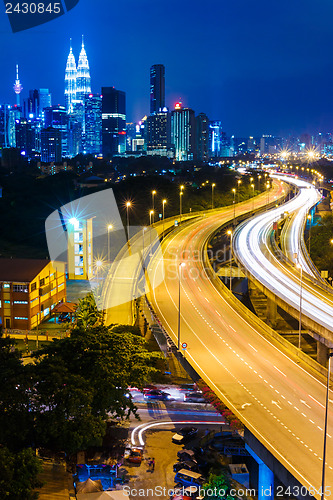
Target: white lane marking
{"x":253,"y":347}
{"x":305,"y":403}
{"x":316,"y":401}
{"x":280,"y":371}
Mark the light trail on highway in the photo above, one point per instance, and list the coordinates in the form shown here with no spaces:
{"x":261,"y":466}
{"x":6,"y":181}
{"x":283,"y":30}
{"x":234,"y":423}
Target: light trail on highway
{"x":252,"y":249}
{"x":275,"y":397}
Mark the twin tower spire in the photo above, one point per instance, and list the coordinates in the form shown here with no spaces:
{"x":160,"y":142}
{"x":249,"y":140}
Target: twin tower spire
{"x":77,"y":79}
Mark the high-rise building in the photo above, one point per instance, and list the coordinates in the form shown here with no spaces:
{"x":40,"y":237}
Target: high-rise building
{"x":56,"y":117}
{"x":183,"y":132}
{"x":215,"y":138}
{"x":45,"y":100}
{"x":70,"y":81}
{"x":51,"y":144}
{"x":113,"y":121}
{"x":93,"y":124}
{"x":27,"y":138}
{"x":83,"y":85}
{"x":157,"y":88}
{"x":158,"y":133}
{"x":202,"y":135}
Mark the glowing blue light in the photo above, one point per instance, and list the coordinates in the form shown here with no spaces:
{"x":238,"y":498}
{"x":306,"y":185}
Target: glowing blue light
{"x":31,"y":115}
{"x":23,"y":153}
{"x":73,"y":221}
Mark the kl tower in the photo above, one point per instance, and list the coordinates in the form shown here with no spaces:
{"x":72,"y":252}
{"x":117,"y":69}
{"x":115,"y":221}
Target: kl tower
{"x":17,"y":87}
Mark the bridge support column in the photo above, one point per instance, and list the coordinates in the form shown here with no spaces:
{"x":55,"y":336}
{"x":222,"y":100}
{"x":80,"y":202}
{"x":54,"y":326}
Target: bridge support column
{"x":271,"y":312}
{"x":322,"y":353}
{"x":265,"y":478}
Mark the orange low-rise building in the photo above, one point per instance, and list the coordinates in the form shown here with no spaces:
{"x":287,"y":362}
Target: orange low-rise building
{"x":29,"y":290}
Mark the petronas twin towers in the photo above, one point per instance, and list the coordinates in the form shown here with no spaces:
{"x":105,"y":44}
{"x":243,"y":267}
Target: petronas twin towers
{"x":77,"y":79}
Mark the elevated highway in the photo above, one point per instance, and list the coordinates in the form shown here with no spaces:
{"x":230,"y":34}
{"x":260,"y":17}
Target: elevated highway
{"x":279,"y":401}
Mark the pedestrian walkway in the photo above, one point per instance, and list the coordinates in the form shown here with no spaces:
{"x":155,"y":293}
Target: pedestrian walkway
{"x":54,"y":477}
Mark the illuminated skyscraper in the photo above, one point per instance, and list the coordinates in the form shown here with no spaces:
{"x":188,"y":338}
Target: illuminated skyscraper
{"x":83,"y":85}
{"x":17,"y":87}
{"x":70,"y":81}
{"x":157,"y":88}
{"x":113,"y":121}
{"x":183,"y":132}
{"x":93,"y":124}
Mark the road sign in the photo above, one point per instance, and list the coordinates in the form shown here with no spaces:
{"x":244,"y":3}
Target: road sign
{"x":184,"y":345}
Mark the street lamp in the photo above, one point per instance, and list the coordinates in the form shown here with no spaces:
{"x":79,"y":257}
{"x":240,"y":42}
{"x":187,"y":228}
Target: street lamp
{"x":252,"y":186}
{"x":143,"y":246}
{"x":151,"y":213}
{"x":110,"y":227}
{"x":298,"y":265}
{"x":180,"y":203}
{"x":238,"y":182}
{"x":267,"y":187}
{"x":234,"y":203}
{"x":330,"y":354}
{"x":153,"y":200}
{"x":309,"y":219}
{"x":181,"y":264}
{"x":213,"y":185}
{"x":229,"y":233}
{"x":163,"y":205}
{"x":128,"y":205}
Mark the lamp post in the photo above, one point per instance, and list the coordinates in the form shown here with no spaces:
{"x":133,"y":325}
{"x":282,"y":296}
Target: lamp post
{"x":238,"y":182}
{"x":181,"y":264}
{"x":267,"y":187}
{"x":151,"y":213}
{"x":128,"y":205}
{"x":110,"y":227}
{"x":251,"y":182}
{"x":180,"y":203}
{"x":298,"y":265}
{"x":259,"y":177}
{"x":252,"y":186}
{"x":234,"y":203}
{"x":330,"y":354}
{"x":153,"y":200}
{"x":213,"y":185}
{"x":309,"y":219}
{"x":163,"y":205}
{"x":143,"y":246}
{"x":229,"y":233}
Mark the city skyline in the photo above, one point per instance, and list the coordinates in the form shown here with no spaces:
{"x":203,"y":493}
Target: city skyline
{"x":258,"y":71}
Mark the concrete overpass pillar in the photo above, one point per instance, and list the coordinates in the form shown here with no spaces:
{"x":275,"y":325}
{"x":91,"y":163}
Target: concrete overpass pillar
{"x":322,"y":353}
{"x":265,"y":478}
{"x":271,"y":312}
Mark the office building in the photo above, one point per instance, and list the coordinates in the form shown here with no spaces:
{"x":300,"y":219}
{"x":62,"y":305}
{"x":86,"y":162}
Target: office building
{"x":183,"y":132}
{"x":215,"y":138}
{"x":158,"y":133}
{"x":51,"y":144}
{"x":113,"y":121}
{"x":93,"y":124}
{"x":202,"y":137}
{"x":83,"y":84}
{"x":29,"y":290}
{"x":56,"y":117}
{"x":157,"y":88}
{"x":28,"y":137}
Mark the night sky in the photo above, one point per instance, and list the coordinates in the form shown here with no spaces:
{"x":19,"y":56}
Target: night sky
{"x":259,"y":66}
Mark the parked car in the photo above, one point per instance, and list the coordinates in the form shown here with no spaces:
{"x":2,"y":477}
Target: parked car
{"x":63,"y":317}
{"x":135,"y":456}
{"x":148,"y":388}
{"x":194,"y":397}
{"x":157,"y":395}
{"x":188,"y":465}
{"x":185,"y":455}
{"x":189,"y":478}
{"x":184,"y":435}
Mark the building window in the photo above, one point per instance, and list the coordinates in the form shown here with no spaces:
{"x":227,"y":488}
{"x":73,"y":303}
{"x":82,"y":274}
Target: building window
{"x":42,"y":282}
{"x":6,"y":285}
{"x":20,"y":317}
{"x":20,"y":288}
{"x":33,"y":286}
{"x":7,"y":301}
{"x":20,"y":302}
